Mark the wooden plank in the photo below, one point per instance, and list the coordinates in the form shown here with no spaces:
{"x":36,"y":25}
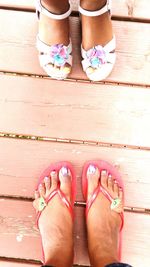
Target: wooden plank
{"x":23,"y":4}
{"x":129,"y":9}
{"x":17,"y":264}
{"x":83,"y":114}
{"x":19,"y":236}
{"x":132,"y":64}
{"x":134,"y":9}
{"x":22,"y":161}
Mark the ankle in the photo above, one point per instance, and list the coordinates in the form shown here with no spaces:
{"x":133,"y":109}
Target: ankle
{"x":102,"y":262}
{"x":54,"y":257}
{"x":92,"y":5}
{"x":56,"y":7}
{"x":101,"y":256}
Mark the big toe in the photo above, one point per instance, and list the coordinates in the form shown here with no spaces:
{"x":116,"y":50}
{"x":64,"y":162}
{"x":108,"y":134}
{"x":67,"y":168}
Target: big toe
{"x":93,"y":175}
{"x":65,"y":181}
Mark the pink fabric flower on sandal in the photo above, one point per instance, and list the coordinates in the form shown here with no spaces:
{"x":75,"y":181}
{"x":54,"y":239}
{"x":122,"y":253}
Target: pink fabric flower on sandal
{"x":59,"y":53}
{"x":96,"y":56}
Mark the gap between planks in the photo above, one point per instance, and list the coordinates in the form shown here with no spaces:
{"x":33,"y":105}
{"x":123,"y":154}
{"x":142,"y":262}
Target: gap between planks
{"x":79,"y":204}
{"x":71,"y":141}
{"x":76,"y":14}
{"x":20,"y":74}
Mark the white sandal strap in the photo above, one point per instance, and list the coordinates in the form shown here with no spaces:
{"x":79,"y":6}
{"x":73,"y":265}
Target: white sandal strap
{"x":108,"y":56}
{"x":44,"y":11}
{"x":109,"y":47}
{"x":44,"y":48}
{"x":96,"y":13}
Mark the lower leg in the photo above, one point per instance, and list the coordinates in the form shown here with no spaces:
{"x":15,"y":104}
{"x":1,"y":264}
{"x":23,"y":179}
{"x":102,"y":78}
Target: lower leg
{"x":95,"y":30}
{"x":53,"y":31}
{"x":92,"y":5}
{"x":56,"y":6}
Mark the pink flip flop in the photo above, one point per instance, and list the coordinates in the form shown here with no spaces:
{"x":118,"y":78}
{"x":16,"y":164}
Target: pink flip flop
{"x":102,"y":165}
{"x":43,"y":202}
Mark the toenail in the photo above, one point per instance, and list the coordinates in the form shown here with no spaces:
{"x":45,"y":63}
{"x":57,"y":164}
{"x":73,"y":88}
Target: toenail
{"x":115,"y":181}
{"x":109,"y":176}
{"x":64,"y":171}
{"x":40,"y":186}
{"x":53,"y":173}
{"x":91,"y":169}
{"x":46,"y":178}
{"x":104,"y":172}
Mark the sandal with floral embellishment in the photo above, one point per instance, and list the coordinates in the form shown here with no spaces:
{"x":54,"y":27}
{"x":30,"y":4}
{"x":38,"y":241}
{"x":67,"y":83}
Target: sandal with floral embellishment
{"x":116,"y":204}
{"x":57,"y":54}
{"x":100,"y":58}
{"x":43,"y":202}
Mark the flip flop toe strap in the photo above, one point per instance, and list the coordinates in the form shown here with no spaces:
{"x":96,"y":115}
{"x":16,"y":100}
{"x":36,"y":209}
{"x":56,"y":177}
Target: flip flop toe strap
{"x":116,"y":204}
{"x":42,"y":203}
{"x":40,"y":9}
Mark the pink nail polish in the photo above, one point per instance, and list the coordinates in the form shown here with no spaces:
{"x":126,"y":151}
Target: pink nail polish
{"x":91,"y":169}
{"x":64,"y":171}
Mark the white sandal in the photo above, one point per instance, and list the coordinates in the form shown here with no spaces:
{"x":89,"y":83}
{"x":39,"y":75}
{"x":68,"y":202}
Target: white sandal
{"x":58,"y":54}
{"x":101,"y":58}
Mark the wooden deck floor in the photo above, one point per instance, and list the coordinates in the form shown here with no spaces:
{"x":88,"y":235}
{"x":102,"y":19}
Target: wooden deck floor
{"x":43,"y":121}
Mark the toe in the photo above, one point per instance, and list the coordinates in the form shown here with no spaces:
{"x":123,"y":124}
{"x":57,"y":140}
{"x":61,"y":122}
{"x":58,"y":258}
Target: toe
{"x":120,"y":193}
{"x":110,"y":183}
{"x":93,"y":175}
{"x":47,"y":182}
{"x":89,"y":70}
{"x":104,"y":178}
{"x":54,"y":180}
{"x":116,"y":189}
{"x":50,"y":66}
{"x":56,"y":69}
{"x":65,"y":181}
{"x":42,"y":190}
{"x":66,"y":69}
{"x":36,"y":194}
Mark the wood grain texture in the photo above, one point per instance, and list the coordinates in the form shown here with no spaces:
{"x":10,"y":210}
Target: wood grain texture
{"x":19,"y":236}
{"x":22,"y":162}
{"x":17,"y":264}
{"x":127,"y":8}
{"x":18,"y":52}
{"x":106,"y":113}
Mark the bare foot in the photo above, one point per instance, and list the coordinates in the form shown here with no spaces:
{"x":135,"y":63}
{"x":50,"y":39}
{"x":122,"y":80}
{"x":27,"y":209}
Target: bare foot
{"x":103,"y":224}
{"x":55,"y":222}
{"x":52,"y":31}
